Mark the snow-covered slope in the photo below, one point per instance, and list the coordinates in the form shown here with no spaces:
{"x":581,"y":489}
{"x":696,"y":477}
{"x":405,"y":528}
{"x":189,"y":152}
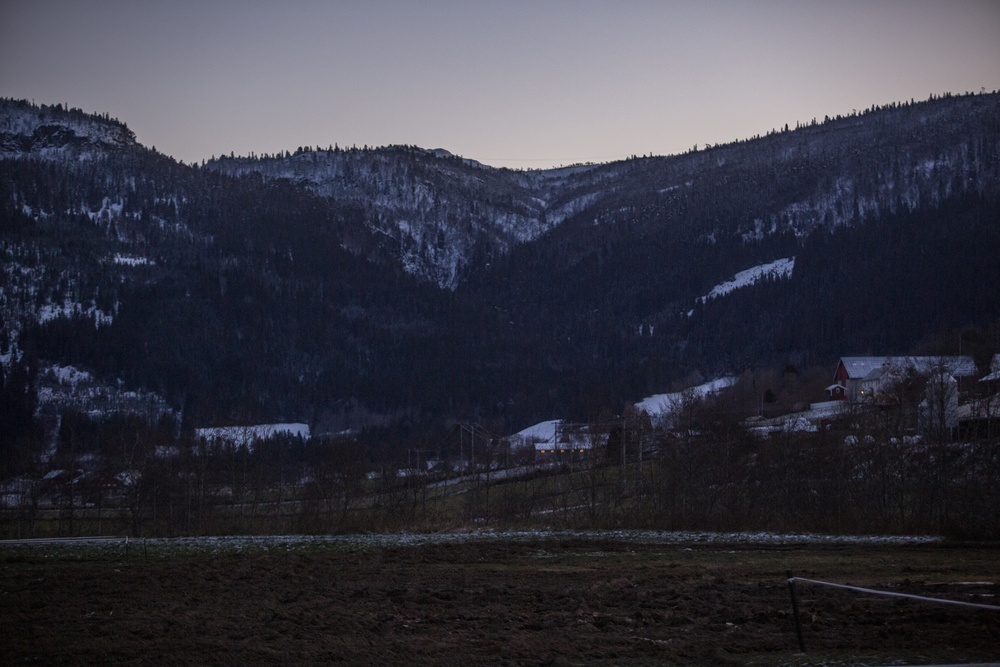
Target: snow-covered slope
{"x":52,"y":132}
{"x":660,"y":406}
{"x":438,"y":212}
{"x":779,"y":268}
{"x":663,"y":405}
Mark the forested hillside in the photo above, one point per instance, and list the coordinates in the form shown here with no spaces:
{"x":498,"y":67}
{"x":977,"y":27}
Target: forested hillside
{"x":401,"y":287}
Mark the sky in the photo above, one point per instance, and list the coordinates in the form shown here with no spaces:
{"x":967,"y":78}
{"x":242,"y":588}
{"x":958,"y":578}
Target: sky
{"x":509,"y":83}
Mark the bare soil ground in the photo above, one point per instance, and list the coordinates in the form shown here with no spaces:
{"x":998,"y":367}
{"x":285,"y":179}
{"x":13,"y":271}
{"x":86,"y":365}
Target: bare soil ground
{"x":547,"y":602}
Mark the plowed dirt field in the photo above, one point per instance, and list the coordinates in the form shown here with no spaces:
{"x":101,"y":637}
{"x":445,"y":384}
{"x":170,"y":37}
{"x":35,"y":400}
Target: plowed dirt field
{"x":548,"y":602}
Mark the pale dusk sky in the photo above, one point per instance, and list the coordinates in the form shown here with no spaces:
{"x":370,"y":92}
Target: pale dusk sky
{"x":515,"y":84}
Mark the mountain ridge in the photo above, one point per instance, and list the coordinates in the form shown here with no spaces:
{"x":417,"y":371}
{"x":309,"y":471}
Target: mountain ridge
{"x":400,"y":285}
{"x":538,"y":201}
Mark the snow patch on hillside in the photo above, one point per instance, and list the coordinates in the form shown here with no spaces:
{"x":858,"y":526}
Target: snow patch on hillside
{"x":109,"y":210}
{"x":665,"y":404}
{"x":541,"y":432}
{"x":51,"y":311}
{"x":559,"y":215}
{"x":247,"y":436}
{"x":67,"y":388}
{"x":659,"y":405}
{"x":779,"y":268}
{"x":68,"y":375}
{"x":131,"y":260}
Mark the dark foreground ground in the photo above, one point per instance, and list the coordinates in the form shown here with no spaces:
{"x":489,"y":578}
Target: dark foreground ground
{"x":546,"y":602}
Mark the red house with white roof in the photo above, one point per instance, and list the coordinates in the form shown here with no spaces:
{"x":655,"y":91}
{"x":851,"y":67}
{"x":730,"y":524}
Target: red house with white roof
{"x":859,"y":377}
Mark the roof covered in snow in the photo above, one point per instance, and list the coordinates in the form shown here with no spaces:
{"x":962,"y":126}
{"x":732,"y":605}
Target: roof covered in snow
{"x":860,"y":368}
{"x":994,"y":370}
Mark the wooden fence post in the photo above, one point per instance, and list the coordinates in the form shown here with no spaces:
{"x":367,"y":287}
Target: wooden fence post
{"x":795,"y":611}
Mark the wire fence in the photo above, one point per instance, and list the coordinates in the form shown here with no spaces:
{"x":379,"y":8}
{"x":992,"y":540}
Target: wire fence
{"x":897,"y":595}
{"x":871,"y":591}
